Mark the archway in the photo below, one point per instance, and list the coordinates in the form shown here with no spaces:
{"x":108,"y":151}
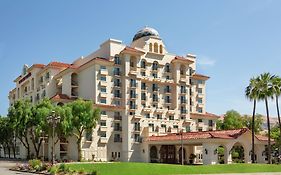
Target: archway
{"x":182,"y":152}
{"x":168,"y":154}
{"x":221,"y":151}
{"x":238,"y":153}
{"x":153,"y":154}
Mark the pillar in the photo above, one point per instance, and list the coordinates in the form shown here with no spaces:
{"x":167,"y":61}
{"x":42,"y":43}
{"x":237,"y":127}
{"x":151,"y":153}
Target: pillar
{"x":209,"y":155}
{"x":227,"y":153}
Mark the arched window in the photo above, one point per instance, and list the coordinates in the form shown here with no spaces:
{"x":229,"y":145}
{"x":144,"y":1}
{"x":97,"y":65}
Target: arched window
{"x":155,"y":65}
{"x":117,"y":59}
{"x":167,"y":67}
{"x":161,"y":48}
{"x":155,"y":47}
{"x":150,"y":47}
{"x":143,"y":65}
{"x":182,"y":70}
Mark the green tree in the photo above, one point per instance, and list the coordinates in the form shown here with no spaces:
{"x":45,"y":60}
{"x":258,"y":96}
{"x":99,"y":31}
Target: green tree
{"x":19,"y":115}
{"x":266,"y":92}
{"x":6,"y":136}
{"x":232,"y":120}
{"x":38,"y":123}
{"x":247,"y":122}
{"x":276,"y":86}
{"x":275,"y":134}
{"x":84,"y":118}
{"x":252,"y":93}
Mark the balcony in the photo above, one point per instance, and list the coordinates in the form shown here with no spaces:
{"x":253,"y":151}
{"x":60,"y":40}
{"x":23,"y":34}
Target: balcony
{"x":171,"y":112}
{"x":137,"y":117}
{"x":159,"y":110}
{"x":162,"y":130}
{"x":117,"y":118}
{"x":170,"y":81}
{"x":103,"y":128}
{"x":118,"y":95}
{"x":103,"y":83}
{"x":147,"y":109}
{"x":183,"y":79}
{"x":133,"y":71}
{"x":117,"y":85}
{"x":103,"y":72}
{"x":103,"y":94}
{"x":103,"y":140}
{"x":103,"y":117}
{"x":174,"y":130}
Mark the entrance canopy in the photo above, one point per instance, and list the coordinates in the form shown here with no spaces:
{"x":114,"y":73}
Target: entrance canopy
{"x":209,"y":141}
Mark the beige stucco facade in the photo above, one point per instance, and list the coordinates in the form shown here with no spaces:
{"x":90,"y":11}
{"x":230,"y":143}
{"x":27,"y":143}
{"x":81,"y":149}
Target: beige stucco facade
{"x":141,"y":89}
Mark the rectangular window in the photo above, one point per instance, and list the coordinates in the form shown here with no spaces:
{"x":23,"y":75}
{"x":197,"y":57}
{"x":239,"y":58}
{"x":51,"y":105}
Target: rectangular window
{"x":143,"y":74}
{"x":143,"y":96}
{"x":103,"y":100}
{"x":88,"y":136}
{"x":103,"y":78}
{"x":103,"y":89}
{"x":47,"y":75}
{"x":171,"y":117}
{"x":103,"y":112}
{"x":200,"y":110}
{"x":103,"y":123}
{"x":151,"y":125}
{"x":102,"y":67}
{"x":143,"y":86}
{"x":211,"y":123}
{"x":199,"y":90}
{"x":200,"y":120}
{"x":200,"y":100}
{"x":103,"y":134}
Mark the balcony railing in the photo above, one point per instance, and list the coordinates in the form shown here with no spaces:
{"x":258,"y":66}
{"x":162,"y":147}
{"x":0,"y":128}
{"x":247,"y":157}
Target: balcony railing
{"x":117,"y":139}
{"x":117,"y":117}
{"x":117,"y":128}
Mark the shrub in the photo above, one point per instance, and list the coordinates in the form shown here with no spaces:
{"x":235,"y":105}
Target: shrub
{"x":94,"y":173}
{"x":35,"y":164}
{"x":63,"y":168}
{"x":53,"y":170}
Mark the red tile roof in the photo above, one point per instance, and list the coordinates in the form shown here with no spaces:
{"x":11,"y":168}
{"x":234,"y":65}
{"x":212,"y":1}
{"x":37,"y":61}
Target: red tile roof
{"x":225,"y":134}
{"x":180,"y":58}
{"x":200,"y":76}
{"x":60,"y":97}
{"x":130,"y":49}
{"x":59,"y":64}
{"x":207,"y":115}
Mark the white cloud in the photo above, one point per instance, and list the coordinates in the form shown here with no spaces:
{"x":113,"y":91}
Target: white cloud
{"x":205,"y":61}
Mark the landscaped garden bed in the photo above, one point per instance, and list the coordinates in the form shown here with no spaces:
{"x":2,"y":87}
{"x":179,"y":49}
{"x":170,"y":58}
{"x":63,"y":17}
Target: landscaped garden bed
{"x":129,"y":168}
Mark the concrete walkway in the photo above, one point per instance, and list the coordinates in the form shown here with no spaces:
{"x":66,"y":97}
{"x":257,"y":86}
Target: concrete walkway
{"x":5,"y":165}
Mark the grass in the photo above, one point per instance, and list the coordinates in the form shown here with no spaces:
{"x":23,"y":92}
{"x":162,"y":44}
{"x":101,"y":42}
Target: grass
{"x":163,"y":169}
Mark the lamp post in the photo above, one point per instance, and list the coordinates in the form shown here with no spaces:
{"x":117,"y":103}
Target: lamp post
{"x":181,"y":132}
{"x":53,"y":120}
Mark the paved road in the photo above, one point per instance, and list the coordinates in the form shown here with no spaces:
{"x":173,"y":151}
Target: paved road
{"x":6,"y":164}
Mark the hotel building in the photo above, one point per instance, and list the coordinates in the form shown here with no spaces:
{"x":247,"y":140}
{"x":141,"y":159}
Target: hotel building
{"x":145,"y":93}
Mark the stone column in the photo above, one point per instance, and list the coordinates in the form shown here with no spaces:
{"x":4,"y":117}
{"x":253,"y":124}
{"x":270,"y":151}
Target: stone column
{"x":209,"y":155}
{"x":227,"y":153}
{"x":126,"y":134}
{"x":259,"y":149}
{"x":247,"y":154}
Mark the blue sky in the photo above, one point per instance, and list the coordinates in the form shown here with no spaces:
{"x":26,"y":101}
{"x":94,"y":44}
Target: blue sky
{"x":234,"y":40}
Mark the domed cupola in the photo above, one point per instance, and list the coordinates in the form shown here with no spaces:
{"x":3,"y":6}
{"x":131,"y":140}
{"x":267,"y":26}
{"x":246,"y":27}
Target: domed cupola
{"x":147,"y":31}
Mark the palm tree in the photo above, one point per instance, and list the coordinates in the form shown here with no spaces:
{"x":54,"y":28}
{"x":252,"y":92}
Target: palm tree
{"x":276,"y":85}
{"x":251,"y":93}
{"x":265,"y":92}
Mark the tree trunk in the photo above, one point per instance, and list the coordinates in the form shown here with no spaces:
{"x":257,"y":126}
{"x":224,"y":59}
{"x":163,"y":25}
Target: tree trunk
{"x":4,"y":149}
{"x":27,"y":147}
{"x":278,"y":115}
{"x":268,"y":127}
{"x":253,"y":133}
{"x":79,"y":149}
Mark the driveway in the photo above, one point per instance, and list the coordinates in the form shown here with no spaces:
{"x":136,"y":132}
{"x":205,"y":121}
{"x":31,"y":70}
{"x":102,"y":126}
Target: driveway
{"x":5,"y":165}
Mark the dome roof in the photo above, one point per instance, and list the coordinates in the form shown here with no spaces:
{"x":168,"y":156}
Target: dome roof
{"x":146,"y":31}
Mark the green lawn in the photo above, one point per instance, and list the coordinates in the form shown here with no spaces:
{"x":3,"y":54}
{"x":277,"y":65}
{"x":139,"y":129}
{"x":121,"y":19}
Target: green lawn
{"x":159,"y":169}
